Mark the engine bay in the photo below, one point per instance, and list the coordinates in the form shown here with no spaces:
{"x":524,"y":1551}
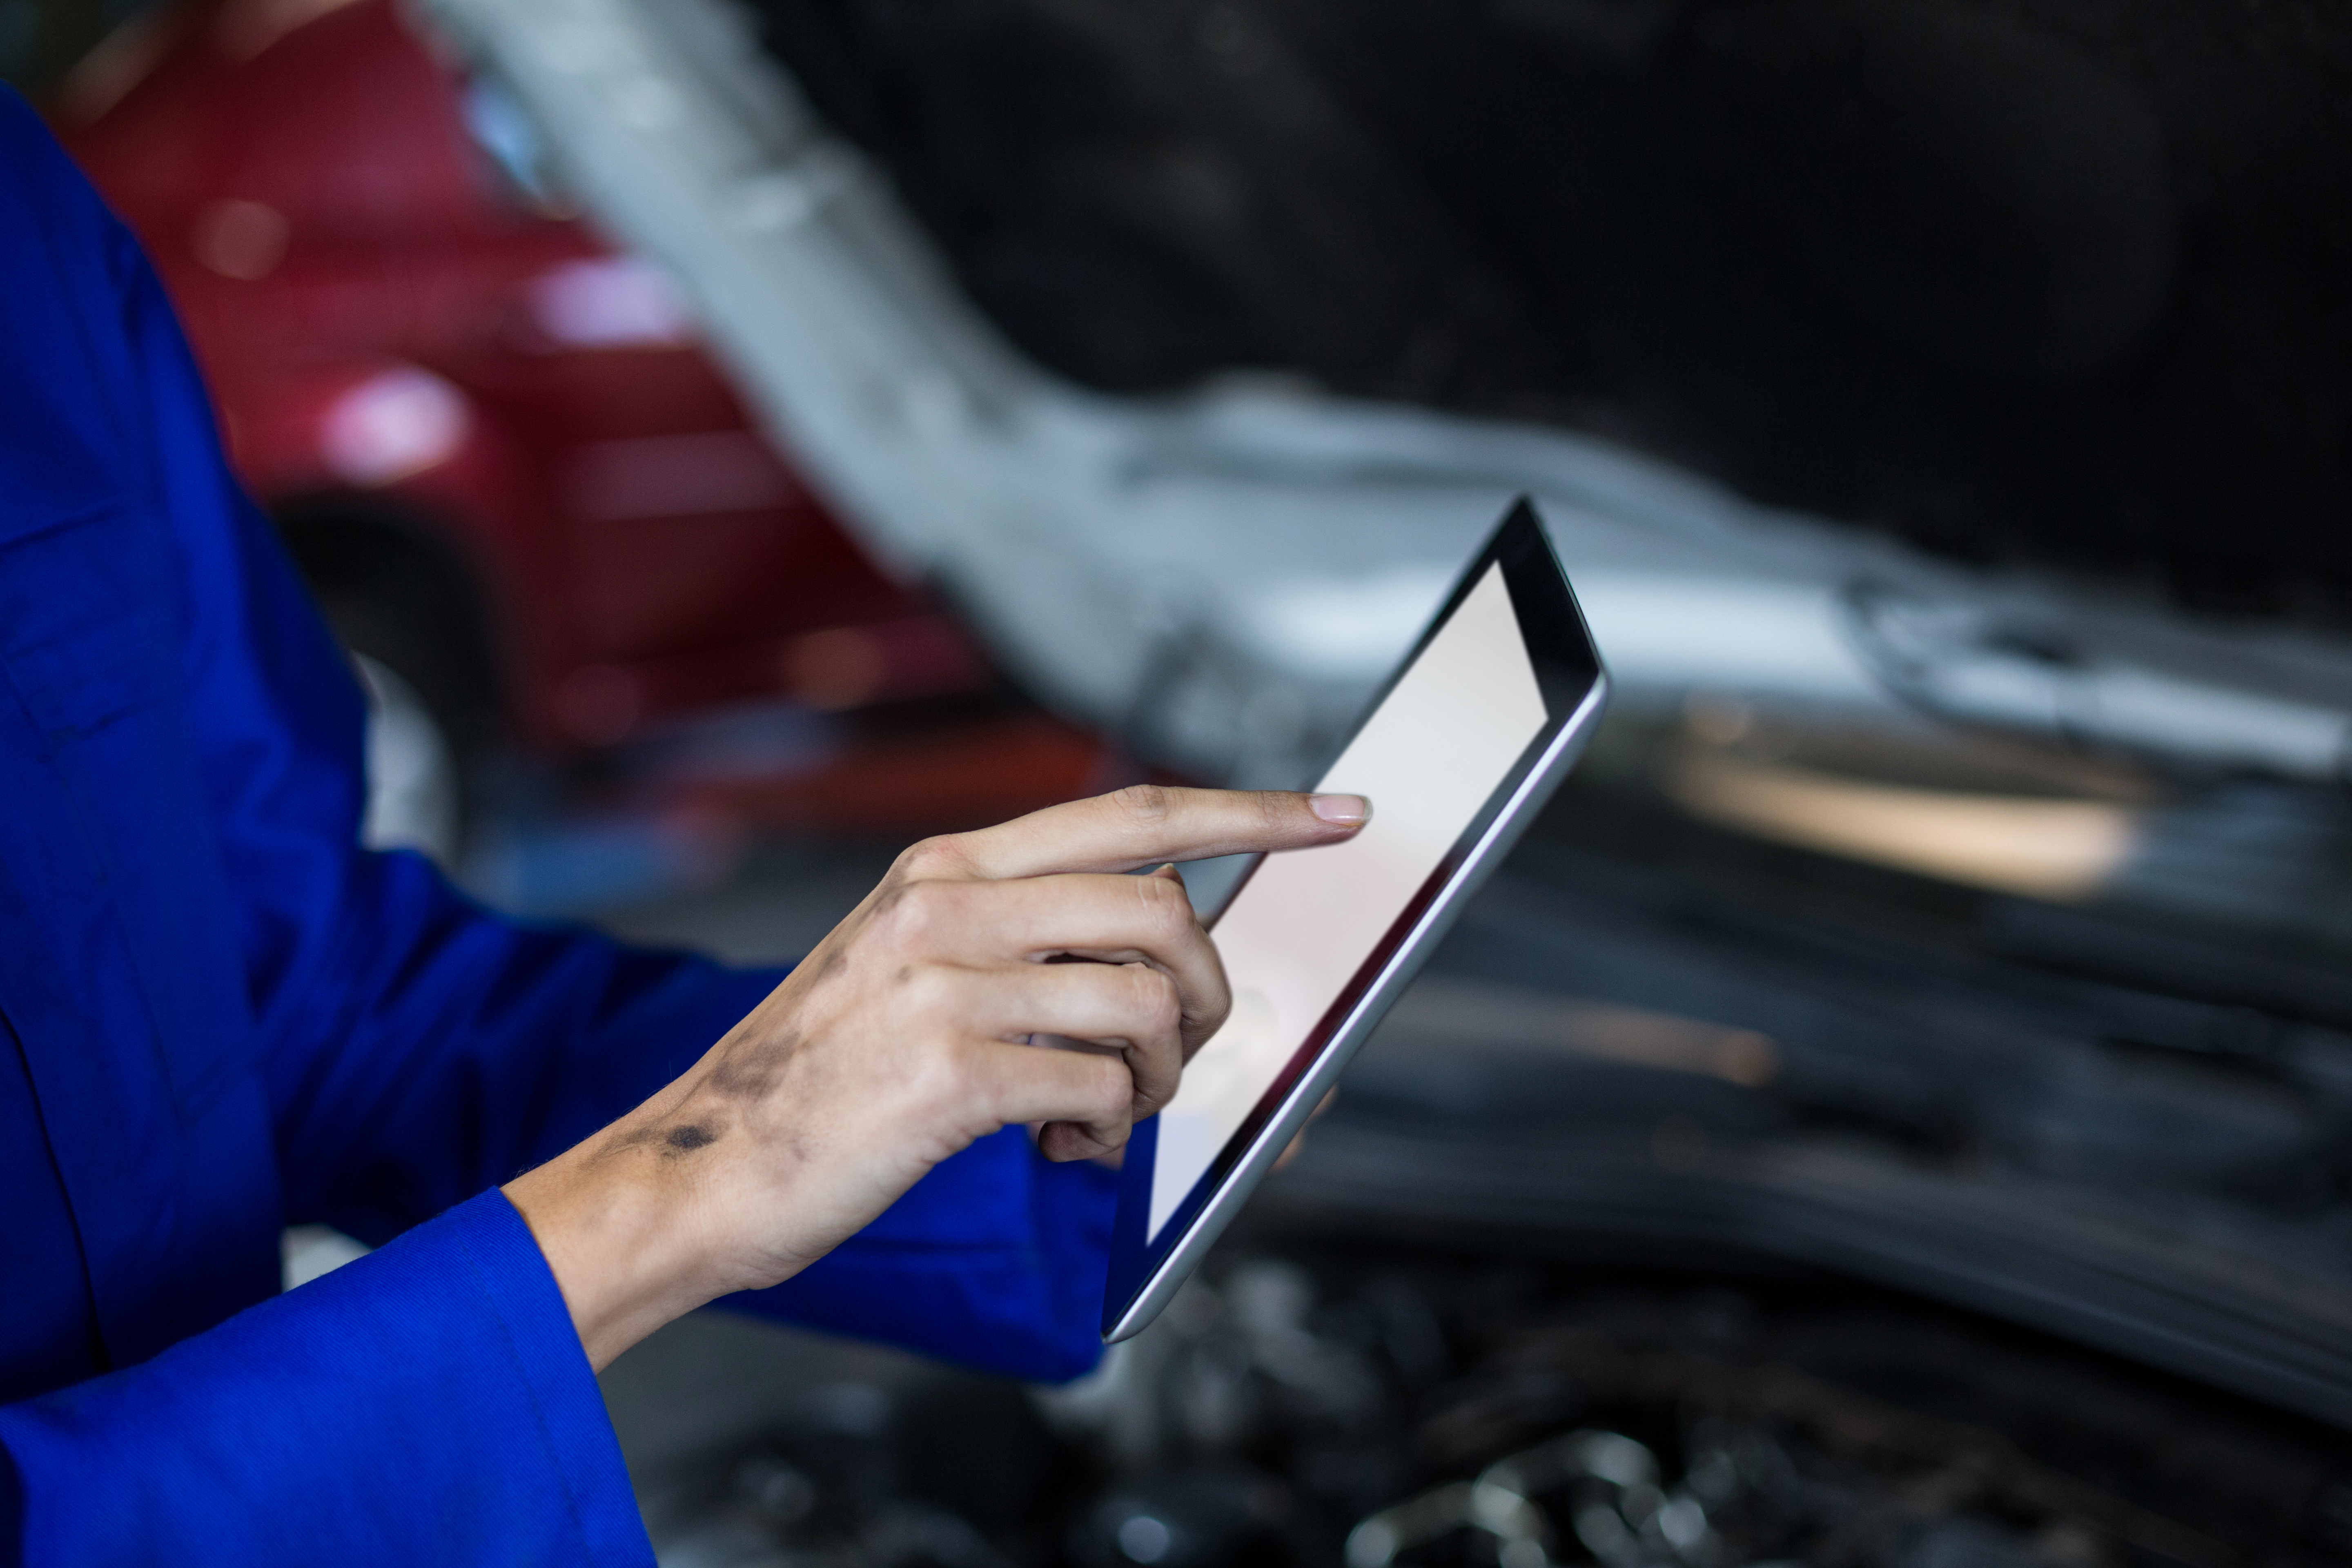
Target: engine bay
{"x":1307,"y":1403}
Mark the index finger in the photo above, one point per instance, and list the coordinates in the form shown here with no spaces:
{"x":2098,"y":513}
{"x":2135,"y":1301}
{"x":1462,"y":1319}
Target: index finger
{"x":1144,"y":825}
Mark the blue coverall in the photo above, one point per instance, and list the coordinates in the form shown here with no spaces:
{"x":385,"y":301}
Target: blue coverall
{"x":219,"y":1016}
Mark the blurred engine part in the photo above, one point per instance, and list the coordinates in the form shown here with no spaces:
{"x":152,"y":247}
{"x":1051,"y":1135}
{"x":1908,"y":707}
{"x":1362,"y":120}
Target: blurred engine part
{"x":949,"y":1471}
{"x":1515,"y":1413}
{"x":1307,"y":1403}
{"x":1613,"y":1506}
{"x":1647,"y":1036}
{"x":1183,"y":1519}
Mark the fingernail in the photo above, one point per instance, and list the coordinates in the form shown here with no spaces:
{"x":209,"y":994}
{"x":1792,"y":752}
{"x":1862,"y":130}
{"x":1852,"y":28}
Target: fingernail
{"x":1344,"y":810}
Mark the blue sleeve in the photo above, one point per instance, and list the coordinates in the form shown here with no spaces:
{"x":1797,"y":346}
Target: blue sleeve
{"x":427,"y":1404}
{"x":420,"y":1050}
{"x":431,"y":1402}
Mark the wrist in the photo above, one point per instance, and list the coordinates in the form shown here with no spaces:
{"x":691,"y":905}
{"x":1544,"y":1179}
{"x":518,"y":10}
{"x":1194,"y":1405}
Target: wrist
{"x":621,"y":1237}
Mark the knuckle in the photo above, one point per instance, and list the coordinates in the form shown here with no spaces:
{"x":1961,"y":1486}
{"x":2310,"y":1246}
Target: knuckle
{"x":943,"y":855}
{"x":1145,"y":805}
{"x":1156,"y":998}
{"x":915,"y":909}
{"x":951,"y":1076}
{"x":929,"y":992}
{"x":1113,"y":1091}
{"x":1167,"y":901}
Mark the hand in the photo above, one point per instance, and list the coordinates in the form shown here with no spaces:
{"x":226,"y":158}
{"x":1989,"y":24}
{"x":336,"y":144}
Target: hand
{"x":902,"y":1040}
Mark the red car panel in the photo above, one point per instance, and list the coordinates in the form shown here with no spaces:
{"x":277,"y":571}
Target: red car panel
{"x":383,"y":314}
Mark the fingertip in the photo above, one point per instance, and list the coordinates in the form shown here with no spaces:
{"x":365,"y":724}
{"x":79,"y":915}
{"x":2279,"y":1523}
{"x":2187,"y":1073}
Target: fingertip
{"x":1341,"y":810}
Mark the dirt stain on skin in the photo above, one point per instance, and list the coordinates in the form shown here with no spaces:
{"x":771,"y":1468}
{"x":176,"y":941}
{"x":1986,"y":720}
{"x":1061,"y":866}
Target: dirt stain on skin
{"x":620,"y":1143}
{"x":672,"y":1142}
{"x":750,"y":1070}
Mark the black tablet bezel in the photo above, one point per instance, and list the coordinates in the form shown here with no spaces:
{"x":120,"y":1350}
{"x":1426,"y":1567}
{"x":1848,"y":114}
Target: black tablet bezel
{"x":1574,"y":685}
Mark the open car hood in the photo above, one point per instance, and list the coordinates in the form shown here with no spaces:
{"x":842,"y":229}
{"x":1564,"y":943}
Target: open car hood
{"x":1957,"y":898}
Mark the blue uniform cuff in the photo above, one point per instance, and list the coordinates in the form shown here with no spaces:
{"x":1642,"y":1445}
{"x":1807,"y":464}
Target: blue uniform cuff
{"x":427,"y":1404}
{"x":994,"y":1261}
{"x":553,"y":1370}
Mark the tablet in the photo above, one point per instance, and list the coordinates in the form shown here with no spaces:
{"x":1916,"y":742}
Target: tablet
{"x":1458,"y":752}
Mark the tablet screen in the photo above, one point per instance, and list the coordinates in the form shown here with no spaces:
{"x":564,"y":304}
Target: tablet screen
{"x":1430,"y":758}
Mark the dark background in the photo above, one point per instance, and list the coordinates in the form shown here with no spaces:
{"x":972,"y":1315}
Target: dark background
{"x":2067,"y":281}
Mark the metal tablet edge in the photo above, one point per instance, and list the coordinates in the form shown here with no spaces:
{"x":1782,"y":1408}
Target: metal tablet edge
{"x":1161,"y":1286}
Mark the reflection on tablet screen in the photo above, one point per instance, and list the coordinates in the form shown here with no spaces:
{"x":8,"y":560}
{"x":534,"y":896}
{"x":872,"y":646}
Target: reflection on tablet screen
{"x":1448,"y":733}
